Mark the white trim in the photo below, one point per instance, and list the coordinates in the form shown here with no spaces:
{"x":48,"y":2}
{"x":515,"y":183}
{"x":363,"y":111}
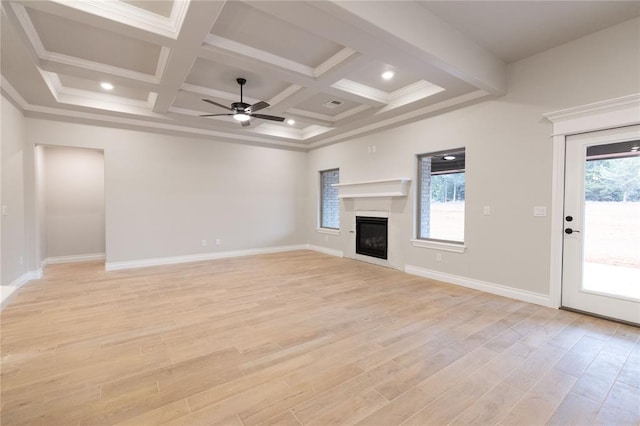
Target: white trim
{"x":7,"y":292}
{"x":362,"y":90}
{"x":74,"y":258}
{"x":439,"y":245}
{"x":500,"y":290}
{"x":618,"y":112}
{"x":21,"y":280}
{"x":333,"y":61}
{"x":12,"y":93}
{"x":372,"y":213}
{"x":212,"y":41}
{"x":133,"y":16}
{"x":35,"y":275}
{"x":328,"y":231}
{"x":608,"y":114}
{"x":143,"y":263}
{"x":325,"y":250}
{"x":419,"y":113}
{"x":374,"y":188}
{"x":557,"y":221}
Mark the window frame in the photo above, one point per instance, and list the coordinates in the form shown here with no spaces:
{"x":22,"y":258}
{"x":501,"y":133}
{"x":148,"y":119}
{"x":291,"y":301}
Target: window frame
{"x":435,"y":243}
{"x":321,"y":228}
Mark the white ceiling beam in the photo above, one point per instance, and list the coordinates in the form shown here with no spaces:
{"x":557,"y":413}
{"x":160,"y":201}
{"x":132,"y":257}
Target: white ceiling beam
{"x":332,"y":22}
{"x":198,"y":21}
{"x":276,"y":72}
{"x":413,"y":28}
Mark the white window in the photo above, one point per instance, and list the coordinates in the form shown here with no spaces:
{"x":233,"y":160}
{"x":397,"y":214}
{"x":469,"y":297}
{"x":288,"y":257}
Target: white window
{"x":441,"y":194}
{"x":329,"y":201}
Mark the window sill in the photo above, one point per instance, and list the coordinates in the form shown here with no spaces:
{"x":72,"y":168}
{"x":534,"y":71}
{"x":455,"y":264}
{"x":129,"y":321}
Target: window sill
{"x":328,"y":231}
{"x":439,"y":245}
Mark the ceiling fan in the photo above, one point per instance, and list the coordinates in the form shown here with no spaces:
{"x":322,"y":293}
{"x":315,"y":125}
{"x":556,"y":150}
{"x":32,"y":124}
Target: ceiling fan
{"x":241,"y":111}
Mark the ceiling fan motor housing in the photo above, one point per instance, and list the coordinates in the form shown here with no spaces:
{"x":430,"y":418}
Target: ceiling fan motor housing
{"x":240,"y":106}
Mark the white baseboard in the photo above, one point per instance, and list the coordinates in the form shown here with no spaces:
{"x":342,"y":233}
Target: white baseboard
{"x":21,"y":280}
{"x":131,"y":264}
{"x":8,"y":291}
{"x":500,"y":290}
{"x":325,"y":250}
{"x":74,"y":258}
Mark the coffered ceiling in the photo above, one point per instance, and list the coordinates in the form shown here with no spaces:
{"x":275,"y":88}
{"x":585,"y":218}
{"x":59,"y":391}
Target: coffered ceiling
{"x":318,"y":64}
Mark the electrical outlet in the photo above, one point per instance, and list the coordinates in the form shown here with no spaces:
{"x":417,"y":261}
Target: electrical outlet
{"x":4,"y":211}
{"x":373,"y":149}
{"x":218,"y":241}
{"x":486,"y":210}
{"x":539,"y":211}
{"x":21,"y":260}
{"x":326,"y":238}
{"x":204,"y":243}
{"x":438,"y":257}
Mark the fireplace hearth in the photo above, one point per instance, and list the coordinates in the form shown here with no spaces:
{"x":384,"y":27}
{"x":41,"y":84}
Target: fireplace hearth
{"x":371,"y":236}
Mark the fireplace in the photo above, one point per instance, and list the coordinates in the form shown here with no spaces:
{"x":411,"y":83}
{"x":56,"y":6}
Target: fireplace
{"x":371,"y":236}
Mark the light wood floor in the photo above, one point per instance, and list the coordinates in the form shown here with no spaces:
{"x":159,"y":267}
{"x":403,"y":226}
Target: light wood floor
{"x":302,"y":338}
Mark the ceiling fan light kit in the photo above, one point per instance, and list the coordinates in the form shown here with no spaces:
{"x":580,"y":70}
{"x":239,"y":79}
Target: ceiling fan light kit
{"x":241,"y":111}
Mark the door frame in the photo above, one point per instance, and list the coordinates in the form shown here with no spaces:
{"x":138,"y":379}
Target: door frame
{"x":610,"y":114}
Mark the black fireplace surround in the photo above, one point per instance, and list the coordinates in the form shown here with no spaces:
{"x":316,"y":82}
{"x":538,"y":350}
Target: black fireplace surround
{"x":371,"y":236}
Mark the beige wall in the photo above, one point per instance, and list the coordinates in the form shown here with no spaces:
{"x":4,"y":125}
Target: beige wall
{"x":165,"y":194}
{"x":14,"y":252}
{"x":509,"y":161}
{"x":73,"y":187}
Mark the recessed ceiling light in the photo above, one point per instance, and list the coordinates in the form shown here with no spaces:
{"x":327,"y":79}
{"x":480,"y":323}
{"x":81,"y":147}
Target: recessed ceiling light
{"x":449,"y":157}
{"x":635,"y":148}
{"x":388,"y":75}
{"x":291,"y":122}
{"x":106,"y":85}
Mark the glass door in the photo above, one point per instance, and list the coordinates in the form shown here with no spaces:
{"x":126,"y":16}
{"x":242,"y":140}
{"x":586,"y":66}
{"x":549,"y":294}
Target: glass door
{"x":601,"y":255}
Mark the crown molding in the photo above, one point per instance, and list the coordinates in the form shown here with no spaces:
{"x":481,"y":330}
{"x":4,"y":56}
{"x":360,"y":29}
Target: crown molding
{"x":397,"y":120}
{"x":617,"y":112}
{"x":609,"y":105}
{"x":12,"y":94}
{"x":361,"y":90}
{"x":132,"y":16}
{"x":154,"y":126}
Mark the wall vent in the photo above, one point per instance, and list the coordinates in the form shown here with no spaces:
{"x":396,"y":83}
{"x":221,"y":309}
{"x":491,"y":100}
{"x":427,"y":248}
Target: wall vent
{"x":333,"y":104}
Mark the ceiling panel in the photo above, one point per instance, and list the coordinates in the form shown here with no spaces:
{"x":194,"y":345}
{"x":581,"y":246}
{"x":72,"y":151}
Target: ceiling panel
{"x":370,"y":75}
{"x":159,"y":7}
{"x":221,"y":77}
{"x":94,"y":86}
{"x":316,"y":104}
{"x":249,"y":26}
{"x":94,"y":44}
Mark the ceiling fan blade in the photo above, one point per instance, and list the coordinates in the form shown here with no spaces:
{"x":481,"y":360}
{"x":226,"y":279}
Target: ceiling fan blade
{"x":214,"y":115}
{"x":217,"y":104}
{"x":268,"y":117}
{"x":258,"y":106}
{"x":246,"y":123}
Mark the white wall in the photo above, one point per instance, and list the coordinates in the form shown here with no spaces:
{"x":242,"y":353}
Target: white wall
{"x":509,"y":161}
{"x":165,"y":194}
{"x":13,"y":224}
{"x":74,"y":201}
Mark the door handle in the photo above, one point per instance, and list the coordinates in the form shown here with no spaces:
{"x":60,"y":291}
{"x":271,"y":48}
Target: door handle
{"x":570,"y":231}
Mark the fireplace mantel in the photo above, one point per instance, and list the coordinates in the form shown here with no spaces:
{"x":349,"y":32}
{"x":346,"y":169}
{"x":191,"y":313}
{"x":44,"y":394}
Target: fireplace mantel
{"x":374,"y":188}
